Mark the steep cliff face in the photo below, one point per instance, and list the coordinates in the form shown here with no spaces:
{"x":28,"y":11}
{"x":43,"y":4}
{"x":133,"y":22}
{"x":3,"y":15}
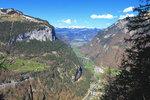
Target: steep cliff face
{"x":44,"y":34}
{"x":107,"y":46}
{"x":41,"y":35}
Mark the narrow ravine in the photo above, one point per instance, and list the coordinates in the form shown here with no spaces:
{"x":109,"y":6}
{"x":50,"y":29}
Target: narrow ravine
{"x":88,"y":64}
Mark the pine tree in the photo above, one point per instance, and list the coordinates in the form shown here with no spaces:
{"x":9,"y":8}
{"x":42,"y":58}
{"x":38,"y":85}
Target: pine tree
{"x":133,"y":82}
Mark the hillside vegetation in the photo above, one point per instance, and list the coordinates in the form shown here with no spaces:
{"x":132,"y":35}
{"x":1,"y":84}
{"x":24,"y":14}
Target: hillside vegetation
{"x":47,"y":67}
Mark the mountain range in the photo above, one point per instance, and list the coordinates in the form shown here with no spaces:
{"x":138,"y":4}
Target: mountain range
{"x":37,"y":60}
{"x":76,"y":35}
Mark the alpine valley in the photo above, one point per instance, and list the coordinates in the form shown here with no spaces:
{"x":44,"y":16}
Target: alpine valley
{"x":103,"y":54}
{"x":41,"y":62}
{"x":36,"y":64}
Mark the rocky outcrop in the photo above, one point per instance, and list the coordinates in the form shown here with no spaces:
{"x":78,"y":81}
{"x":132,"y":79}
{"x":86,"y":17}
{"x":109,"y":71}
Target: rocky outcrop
{"x":41,"y":35}
{"x":44,"y":34}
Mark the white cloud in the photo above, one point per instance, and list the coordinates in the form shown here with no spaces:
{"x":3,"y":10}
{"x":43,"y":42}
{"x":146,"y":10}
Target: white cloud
{"x":68,"y":21}
{"x":129,"y":9}
{"x":107,"y":16}
{"x":127,"y":15}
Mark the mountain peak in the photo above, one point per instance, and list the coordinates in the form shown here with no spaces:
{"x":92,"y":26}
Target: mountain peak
{"x":29,"y":27}
{"x":12,"y":15}
{"x":10,"y":11}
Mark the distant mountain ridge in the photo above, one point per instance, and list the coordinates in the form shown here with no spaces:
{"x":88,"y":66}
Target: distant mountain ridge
{"x":76,"y":35}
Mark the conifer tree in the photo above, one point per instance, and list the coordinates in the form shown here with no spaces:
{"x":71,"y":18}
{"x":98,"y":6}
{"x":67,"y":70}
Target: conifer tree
{"x":133,"y":82}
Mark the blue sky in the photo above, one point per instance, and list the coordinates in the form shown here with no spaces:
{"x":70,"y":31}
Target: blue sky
{"x":88,"y":13}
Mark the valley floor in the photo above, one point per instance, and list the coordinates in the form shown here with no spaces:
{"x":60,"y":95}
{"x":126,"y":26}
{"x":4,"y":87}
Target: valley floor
{"x":96,"y":88}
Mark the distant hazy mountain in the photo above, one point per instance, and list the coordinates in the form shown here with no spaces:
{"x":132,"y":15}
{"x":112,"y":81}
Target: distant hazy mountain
{"x":76,"y":35}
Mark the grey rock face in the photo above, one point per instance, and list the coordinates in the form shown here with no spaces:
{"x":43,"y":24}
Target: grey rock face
{"x":41,"y":35}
